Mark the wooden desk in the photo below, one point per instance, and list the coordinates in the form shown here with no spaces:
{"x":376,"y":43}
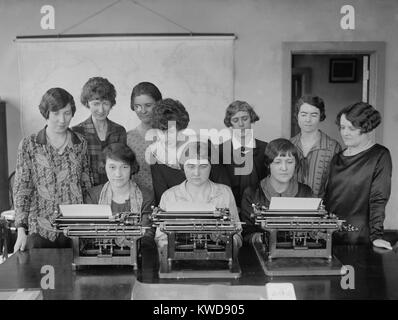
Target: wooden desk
{"x":376,"y":276}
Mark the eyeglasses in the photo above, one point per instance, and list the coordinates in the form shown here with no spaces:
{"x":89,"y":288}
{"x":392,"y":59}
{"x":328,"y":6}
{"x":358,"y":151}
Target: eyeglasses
{"x":146,"y":106}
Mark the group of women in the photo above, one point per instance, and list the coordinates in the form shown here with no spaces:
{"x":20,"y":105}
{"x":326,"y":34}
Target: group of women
{"x":97,"y":161}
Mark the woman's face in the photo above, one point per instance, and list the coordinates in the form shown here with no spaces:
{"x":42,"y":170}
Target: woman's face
{"x":352,"y":136}
{"x":99,"y":109}
{"x":143,"y":105}
{"x":58,"y":121}
{"x":308,"y":118}
{"x":197,"y":171}
{"x":282,"y":168}
{"x":241,"y":120}
{"x":118,"y":172}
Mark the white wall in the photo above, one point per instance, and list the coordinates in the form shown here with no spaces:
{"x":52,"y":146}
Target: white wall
{"x":261,"y":27}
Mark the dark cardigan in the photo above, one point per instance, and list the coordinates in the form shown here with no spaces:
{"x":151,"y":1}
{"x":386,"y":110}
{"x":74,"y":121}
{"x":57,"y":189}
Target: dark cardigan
{"x":238,"y":182}
{"x":255,"y":195}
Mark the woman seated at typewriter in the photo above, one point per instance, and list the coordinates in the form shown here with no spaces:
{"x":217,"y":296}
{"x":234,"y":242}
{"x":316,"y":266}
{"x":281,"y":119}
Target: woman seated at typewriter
{"x":197,"y":188}
{"x":52,"y":168}
{"x":359,"y":182}
{"x":171,"y":119}
{"x":121,"y":192}
{"x":281,"y":158}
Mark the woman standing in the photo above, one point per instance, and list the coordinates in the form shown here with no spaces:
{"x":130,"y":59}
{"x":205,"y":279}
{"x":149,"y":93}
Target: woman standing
{"x":359,"y":182}
{"x":315,"y":148}
{"x":99,"y":96}
{"x":244,"y":155}
{"x":52,"y":169}
{"x":143,"y":98}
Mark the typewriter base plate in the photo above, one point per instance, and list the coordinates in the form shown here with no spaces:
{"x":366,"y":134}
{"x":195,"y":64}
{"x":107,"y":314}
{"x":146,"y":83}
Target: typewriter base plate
{"x":185,"y":272}
{"x":297,"y":266}
{"x":93,"y":261}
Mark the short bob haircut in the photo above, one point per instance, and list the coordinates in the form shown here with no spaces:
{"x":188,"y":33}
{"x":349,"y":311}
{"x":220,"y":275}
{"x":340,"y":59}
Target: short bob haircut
{"x":145,"y":88}
{"x":362,"y":116}
{"x":121,"y":152}
{"x":280,"y":147}
{"x":237,"y":106}
{"x":313,"y":101}
{"x":56,"y":99}
{"x":169,"y":110}
{"x":197,"y":150}
{"x":98,"y":88}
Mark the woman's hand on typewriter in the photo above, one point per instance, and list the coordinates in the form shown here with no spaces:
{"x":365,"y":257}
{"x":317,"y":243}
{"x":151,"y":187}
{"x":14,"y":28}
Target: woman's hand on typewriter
{"x":20,"y":243}
{"x":380,"y":243}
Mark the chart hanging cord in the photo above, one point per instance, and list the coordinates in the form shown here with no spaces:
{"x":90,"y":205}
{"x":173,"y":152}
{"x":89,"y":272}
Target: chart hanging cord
{"x":115,"y":3}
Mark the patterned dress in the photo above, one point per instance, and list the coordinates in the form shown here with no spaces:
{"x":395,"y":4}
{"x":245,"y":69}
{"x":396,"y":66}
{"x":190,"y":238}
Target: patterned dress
{"x":45,"y":179}
{"x":137,"y":143}
{"x":314,"y":169}
{"x":115,"y":133}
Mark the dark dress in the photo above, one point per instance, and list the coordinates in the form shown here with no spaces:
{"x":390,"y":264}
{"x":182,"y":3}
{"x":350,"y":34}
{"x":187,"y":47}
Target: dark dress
{"x":164,"y":177}
{"x":358,"y":190}
{"x":255,"y":195}
{"x":240,"y":182}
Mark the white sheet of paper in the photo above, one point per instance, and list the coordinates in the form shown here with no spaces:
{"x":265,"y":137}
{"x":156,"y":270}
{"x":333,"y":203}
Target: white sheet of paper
{"x":287,"y":203}
{"x":85,"y":210}
{"x":190,"y":206}
{"x":280,"y":291}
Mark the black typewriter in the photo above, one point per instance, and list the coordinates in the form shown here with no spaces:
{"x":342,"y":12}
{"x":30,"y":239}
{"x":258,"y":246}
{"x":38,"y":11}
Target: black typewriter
{"x":197,"y":237}
{"x":298,"y":242}
{"x":103,"y":240}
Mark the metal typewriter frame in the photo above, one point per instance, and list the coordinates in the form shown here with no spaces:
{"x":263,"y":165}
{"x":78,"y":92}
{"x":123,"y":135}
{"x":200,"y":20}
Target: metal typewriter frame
{"x":315,"y":260}
{"x":199,"y":225}
{"x":105,"y":232}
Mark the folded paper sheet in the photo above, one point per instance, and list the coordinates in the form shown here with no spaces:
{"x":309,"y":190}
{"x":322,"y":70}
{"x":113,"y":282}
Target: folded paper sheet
{"x":85,"y":210}
{"x":159,"y":291}
{"x":287,"y":203}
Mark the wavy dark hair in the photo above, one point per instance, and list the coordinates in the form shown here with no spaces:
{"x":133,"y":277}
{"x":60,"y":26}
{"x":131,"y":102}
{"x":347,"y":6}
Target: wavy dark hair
{"x":237,"y":106}
{"x":280,"y":147}
{"x":145,"y":88}
{"x":98,"y":88}
{"x":56,"y":99}
{"x":121,"y":152}
{"x":362,"y":115}
{"x":169,"y":110}
{"x":198,"y":150}
{"x":313,"y":101}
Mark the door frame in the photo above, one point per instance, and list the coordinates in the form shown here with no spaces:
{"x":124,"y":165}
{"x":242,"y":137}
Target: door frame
{"x":377,"y":56}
